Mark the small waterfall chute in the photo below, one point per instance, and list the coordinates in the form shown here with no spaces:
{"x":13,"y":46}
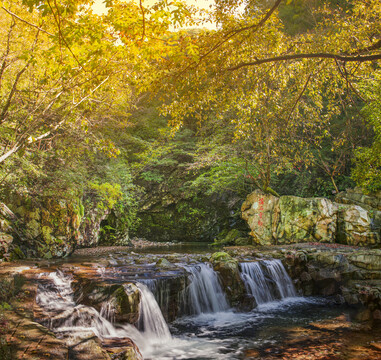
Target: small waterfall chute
{"x":280,"y":277}
{"x":73,"y":321}
{"x":108,"y":310}
{"x":204,"y":293}
{"x":267,"y":280}
{"x":64,"y":316}
{"x":256,"y":283}
{"x":161,"y":289}
{"x":151,"y":320}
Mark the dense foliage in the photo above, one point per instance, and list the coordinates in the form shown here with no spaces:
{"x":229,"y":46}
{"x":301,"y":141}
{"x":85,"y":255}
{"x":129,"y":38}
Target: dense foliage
{"x":279,"y":95}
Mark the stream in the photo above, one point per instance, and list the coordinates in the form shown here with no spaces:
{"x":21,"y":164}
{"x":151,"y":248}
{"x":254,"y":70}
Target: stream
{"x":194,"y":321}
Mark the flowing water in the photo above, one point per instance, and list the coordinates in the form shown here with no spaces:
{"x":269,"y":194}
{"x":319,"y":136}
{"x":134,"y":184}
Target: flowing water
{"x":151,"y":320}
{"x":205,"y":328}
{"x":204,"y":294}
{"x":267,"y":281}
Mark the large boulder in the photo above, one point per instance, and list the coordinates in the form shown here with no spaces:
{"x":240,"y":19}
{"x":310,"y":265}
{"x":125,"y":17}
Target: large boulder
{"x":6,"y":238}
{"x":367,"y":260}
{"x":355,"y":227}
{"x":305,"y":220}
{"x":50,"y":227}
{"x":91,"y":225}
{"x":356,"y":196}
{"x":360,"y":217}
{"x":292,"y":219}
{"x":261,"y":211}
{"x":116,"y":302}
{"x":289,"y":219}
{"x":7,"y":231}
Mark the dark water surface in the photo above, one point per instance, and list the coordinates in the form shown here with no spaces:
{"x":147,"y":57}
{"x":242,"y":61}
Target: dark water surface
{"x":228,"y":335}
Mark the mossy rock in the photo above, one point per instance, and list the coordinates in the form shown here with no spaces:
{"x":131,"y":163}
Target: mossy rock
{"x":369,"y":261}
{"x":227,"y":267}
{"x":163,"y":263}
{"x":122,"y":300}
{"x":243,"y":241}
{"x":17,"y":254}
{"x":232,"y":237}
{"x":220,"y":256}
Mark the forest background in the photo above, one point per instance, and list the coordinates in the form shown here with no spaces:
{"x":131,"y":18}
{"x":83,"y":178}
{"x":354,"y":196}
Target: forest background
{"x":165,"y":116}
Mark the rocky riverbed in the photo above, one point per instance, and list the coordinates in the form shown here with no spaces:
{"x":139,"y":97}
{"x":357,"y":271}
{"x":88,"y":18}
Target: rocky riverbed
{"x":345,"y":278}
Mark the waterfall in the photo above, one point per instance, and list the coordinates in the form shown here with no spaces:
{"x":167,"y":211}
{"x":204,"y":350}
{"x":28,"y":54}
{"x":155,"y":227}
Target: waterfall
{"x":108,"y":310}
{"x":151,"y":320}
{"x":64,"y":316}
{"x":72,"y":321}
{"x":161,"y":289}
{"x":255,"y":282}
{"x":267,"y":280}
{"x":204,"y":293}
{"x":282,"y":281}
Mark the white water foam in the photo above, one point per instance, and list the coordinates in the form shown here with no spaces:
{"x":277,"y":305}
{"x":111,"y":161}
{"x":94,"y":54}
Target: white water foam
{"x":267,"y":281}
{"x":204,"y":293}
{"x":72,"y":322}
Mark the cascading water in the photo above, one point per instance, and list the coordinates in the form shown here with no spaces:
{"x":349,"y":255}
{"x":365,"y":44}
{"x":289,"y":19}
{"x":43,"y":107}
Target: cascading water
{"x":108,"y":311}
{"x":212,"y":331}
{"x":204,"y":293}
{"x":161,"y":289}
{"x":151,"y":320}
{"x":72,"y":322}
{"x":267,"y":281}
{"x":65,"y":316}
{"x":279,"y":275}
{"x":255,"y":282}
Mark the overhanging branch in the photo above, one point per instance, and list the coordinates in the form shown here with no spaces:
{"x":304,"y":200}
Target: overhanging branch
{"x":25,"y":21}
{"x":234,"y":32}
{"x":344,"y":58}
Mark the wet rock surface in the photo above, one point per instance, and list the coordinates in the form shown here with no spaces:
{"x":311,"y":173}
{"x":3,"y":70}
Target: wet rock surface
{"x":107,"y":283}
{"x":229,"y":272}
{"x":261,"y":211}
{"x":30,"y":340}
{"x":117,"y":302}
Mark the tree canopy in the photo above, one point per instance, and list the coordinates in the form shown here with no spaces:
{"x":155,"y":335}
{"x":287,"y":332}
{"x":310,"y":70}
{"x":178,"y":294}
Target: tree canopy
{"x":274,"y":91}
{"x":281,"y":91}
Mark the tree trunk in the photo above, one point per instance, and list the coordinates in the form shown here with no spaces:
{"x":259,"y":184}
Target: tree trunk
{"x":334,"y":184}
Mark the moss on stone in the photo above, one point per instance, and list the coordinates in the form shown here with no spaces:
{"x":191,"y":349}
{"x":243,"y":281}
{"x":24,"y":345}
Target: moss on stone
{"x":163,"y":263}
{"x":17,"y":254}
{"x":231,"y":237}
{"x":220,"y":256}
{"x":46,"y":233}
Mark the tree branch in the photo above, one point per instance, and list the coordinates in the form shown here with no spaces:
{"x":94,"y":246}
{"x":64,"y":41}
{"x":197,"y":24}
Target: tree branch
{"x":18,"y":76}
{"x":23,"y":140}
{"x":26,"y":22}
{"x":233,"y":33}
{"x":375,"y":46}
{"x":144,"y":19}
{"x":344,"y":58}
{"x":6,"y":54}
{"x":58,"y":21}
{"x":298,"y":98}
